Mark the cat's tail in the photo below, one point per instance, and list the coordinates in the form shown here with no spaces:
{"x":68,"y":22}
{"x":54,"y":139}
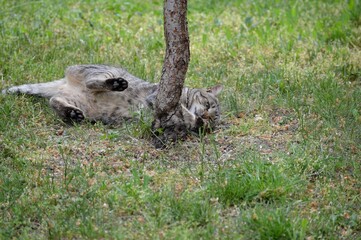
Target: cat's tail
{"x":47,"y":89}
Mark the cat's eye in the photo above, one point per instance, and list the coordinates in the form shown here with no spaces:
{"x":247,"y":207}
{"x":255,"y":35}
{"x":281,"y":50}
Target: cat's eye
{"x":207,"y":105}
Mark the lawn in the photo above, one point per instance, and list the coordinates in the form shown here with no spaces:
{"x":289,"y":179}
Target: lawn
{"x":285,"y":162}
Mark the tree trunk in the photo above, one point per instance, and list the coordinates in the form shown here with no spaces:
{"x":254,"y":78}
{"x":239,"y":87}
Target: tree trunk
{"x":173,"y":73}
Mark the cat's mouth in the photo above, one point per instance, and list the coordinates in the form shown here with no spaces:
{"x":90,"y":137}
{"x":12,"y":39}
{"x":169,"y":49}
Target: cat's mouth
{"x":198,"y":120}
{"x":204,"y":124}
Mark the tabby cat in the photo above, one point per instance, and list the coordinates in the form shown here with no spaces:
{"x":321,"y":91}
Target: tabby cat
{"x":110,"y":94}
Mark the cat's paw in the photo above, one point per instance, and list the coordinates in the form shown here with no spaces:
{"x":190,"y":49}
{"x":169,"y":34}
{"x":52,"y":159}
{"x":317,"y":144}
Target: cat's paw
{"x":116,"y":84}
{"x":74,"y":114}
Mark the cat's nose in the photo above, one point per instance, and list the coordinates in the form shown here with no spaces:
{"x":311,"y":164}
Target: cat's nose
{"x":205,"y":115}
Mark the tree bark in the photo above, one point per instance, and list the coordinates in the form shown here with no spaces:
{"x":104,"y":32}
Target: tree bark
{"x":174,"y":70}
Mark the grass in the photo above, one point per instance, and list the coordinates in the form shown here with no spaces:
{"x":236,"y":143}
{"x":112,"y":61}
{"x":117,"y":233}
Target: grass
{"x":284,"y":163}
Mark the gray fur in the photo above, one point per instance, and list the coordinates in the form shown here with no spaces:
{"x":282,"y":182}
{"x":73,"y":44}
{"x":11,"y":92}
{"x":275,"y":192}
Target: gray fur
{"x":109,"y":94}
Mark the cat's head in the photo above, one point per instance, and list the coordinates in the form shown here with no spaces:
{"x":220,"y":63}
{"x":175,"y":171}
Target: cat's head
{"x":200,"y":108}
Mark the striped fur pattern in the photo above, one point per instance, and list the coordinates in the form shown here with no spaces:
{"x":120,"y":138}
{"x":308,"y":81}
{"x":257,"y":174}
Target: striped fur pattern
{"x":110,"y":95}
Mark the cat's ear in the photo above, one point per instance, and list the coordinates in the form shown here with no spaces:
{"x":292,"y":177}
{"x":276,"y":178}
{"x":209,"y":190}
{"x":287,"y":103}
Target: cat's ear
{"x":188,"y":116}
{"x":215,"y":90}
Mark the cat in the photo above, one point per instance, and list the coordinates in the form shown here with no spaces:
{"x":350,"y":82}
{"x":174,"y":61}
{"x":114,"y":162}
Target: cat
{"x":110,"y":95}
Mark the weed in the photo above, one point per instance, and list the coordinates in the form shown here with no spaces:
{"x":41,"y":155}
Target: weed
{"x":253,"y":181}
{"x":283,"y":164}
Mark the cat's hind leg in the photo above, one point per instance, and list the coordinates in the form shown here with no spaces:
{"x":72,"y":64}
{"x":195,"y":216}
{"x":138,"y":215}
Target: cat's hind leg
{"x":97,"y":77}
{"x":66,"y":111}
{"x":110,"y":84}
{"x":116,"y":84}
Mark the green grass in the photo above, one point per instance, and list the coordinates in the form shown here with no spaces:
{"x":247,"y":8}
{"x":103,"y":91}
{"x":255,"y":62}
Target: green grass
{"x":284,"y":163}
